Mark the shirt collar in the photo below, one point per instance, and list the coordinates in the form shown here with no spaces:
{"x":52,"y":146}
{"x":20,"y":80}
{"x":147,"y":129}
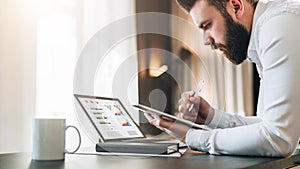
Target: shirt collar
{"x":259,"y":10}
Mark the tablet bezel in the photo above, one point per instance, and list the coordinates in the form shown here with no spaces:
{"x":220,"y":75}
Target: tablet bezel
{"x":147,"y":109}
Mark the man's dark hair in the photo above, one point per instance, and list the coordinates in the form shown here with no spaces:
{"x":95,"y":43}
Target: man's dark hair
{"x":219,"y":4}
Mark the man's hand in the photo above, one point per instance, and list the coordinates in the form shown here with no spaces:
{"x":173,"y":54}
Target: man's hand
{"x":175,"y":129}
{"x":202,"y":112}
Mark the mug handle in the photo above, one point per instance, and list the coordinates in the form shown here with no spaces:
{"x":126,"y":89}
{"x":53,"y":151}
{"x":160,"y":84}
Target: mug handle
{"x":79,"y":137}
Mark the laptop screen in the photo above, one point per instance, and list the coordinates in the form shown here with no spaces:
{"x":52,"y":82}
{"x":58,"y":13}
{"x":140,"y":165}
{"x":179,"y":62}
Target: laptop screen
{"x":109,"y":117}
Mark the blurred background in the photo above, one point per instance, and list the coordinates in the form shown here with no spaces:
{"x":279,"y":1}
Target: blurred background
{"x":41,"y":41}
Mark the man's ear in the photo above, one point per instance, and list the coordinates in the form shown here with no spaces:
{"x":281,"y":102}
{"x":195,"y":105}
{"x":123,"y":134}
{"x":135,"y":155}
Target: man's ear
{"x":237,"y":6}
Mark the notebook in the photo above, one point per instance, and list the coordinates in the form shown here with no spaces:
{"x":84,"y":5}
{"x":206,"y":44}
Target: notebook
{"x":112,"y":121}
{"x":138,"y":148}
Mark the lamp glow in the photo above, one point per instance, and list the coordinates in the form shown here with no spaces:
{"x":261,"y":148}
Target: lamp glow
{"x":156,"y":72}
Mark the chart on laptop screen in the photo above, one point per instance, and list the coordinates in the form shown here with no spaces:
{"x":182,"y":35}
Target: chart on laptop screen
{"x":110,"y":118}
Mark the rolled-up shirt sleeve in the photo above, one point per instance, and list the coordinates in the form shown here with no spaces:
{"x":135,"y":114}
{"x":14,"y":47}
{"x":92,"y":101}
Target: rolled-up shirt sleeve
{"x":246,"y":140}
{"x":228,"y":120}
{"x":276,"y":130}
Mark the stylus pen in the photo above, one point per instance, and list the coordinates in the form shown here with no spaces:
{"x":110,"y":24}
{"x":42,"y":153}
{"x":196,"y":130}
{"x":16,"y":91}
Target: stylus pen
{"x":199,"y":87}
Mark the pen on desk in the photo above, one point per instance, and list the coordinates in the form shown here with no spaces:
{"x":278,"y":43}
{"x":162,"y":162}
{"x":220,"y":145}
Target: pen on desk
{"x":199,"y":87}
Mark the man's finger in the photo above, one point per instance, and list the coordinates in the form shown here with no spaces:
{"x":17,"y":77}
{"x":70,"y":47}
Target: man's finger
{"x":195,"y":99}
{"x":179,"y":101}
{"x":187,"y":95}
{"x":191,"y":93}
{"x":190,"y":118}
{"x":182,"y":109}
{"x":185,"y":115}
{"x":165,"y":123}
{"x":148,"y":116}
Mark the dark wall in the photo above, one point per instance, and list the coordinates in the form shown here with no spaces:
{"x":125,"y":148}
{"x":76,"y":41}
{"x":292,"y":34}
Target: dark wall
{"x":256,"y":84}
{"x":153,"y":6}
{"x":147,"y":83}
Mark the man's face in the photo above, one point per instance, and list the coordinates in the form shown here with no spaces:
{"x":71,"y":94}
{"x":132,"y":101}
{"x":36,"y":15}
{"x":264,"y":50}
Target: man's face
{"x":221,"y":32}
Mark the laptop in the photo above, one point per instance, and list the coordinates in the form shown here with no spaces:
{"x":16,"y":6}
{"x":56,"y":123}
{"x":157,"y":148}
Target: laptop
{"x":112,"y":121}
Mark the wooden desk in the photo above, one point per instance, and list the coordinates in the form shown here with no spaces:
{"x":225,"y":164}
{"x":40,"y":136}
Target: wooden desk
{"x":189,"y":161}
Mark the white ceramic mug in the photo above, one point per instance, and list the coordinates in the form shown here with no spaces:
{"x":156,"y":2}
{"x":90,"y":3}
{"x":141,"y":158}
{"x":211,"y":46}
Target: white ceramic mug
{"x":49,"y":139}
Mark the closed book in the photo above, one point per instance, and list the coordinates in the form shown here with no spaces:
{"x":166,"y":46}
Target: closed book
{"x":141,"y":148}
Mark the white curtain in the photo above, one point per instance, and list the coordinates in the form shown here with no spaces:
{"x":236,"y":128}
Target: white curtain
{"x":17,"y":73}
{"x":65,"y":27}
{"x":40,"y":44}
{"x":98,"y":75}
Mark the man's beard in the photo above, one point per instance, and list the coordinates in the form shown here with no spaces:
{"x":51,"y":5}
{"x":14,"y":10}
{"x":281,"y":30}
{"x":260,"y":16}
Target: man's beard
{"x":236,"y":41}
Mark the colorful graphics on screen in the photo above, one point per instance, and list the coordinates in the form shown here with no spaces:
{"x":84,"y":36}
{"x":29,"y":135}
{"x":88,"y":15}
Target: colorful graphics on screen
{"x":126,"y":123}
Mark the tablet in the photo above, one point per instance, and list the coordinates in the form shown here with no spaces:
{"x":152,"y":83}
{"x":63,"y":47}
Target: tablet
{"x":147,"y":109}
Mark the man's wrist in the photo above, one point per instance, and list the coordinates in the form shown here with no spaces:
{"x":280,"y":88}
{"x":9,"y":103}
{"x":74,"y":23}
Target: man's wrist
{"x":215,"y":119}
{"x":210,"y":116}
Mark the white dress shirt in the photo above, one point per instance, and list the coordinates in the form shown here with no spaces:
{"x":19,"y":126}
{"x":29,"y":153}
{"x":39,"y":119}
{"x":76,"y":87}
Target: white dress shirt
{"x":275,"y":49}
